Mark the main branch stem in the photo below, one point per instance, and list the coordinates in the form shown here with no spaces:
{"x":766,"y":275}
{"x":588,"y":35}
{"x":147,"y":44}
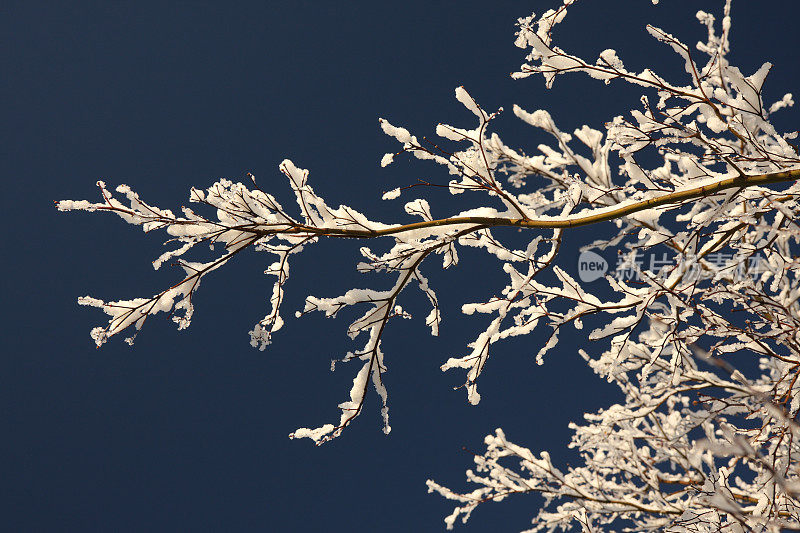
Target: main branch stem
{"x":602,"y":215}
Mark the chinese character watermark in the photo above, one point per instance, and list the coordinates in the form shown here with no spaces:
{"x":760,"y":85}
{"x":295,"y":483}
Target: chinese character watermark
{"x":635,"y":265}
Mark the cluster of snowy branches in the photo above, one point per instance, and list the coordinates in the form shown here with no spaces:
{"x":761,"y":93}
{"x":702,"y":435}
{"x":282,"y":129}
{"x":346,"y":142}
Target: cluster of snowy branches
{"x":698,"y":444}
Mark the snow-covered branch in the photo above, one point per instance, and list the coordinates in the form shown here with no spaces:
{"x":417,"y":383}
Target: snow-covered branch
{"x":702,"y":177}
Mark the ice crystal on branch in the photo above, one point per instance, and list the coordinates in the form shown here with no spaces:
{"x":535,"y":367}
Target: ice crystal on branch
{"x":696,"y":170}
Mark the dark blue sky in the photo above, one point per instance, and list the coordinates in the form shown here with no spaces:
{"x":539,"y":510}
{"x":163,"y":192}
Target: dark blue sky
{"x":188,"y":430}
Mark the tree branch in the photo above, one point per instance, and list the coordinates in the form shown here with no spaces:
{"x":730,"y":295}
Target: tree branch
{"x":599,"y":215}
